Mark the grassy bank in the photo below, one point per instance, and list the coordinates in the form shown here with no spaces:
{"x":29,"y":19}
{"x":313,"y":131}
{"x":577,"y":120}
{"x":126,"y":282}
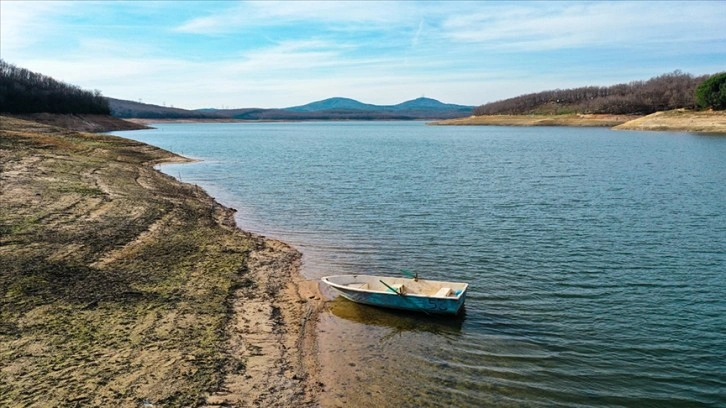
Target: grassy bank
{"x":118,"y":284}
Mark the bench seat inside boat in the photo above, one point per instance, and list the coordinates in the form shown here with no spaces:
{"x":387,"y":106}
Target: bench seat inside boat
{"x":443,"y":292}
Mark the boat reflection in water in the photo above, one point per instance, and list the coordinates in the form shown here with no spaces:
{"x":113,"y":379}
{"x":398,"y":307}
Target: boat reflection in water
{"x":399,"y":321}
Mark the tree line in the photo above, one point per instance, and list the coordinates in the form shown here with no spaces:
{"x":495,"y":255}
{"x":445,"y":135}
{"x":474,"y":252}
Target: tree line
{"x":24,"y":91}
{"x":674,"y":90}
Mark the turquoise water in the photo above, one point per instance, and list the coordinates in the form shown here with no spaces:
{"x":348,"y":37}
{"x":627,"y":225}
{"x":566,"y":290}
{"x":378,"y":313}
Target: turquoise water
{"x":596,"y":258}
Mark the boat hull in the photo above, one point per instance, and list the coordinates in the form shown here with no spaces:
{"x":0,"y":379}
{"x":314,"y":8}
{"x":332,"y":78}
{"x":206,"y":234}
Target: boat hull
{"x":421,"y":296}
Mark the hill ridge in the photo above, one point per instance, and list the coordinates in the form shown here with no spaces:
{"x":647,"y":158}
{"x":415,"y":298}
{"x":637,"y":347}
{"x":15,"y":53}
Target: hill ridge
{"x":335,"y":108}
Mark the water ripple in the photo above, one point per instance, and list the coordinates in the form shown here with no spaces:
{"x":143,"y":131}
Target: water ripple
{"x":596,"y":258}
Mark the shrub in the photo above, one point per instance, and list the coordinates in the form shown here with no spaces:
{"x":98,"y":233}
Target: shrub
{"x":711,"y":93}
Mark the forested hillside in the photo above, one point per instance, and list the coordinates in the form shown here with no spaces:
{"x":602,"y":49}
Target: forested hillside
{"x":24,"y":91}
{"x":129,"y":109}
{"x":665,"y":92}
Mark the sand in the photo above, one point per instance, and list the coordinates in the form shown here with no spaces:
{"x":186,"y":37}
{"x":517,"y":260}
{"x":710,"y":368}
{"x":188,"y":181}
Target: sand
{"x":677,"y":121}
{"x":121,"y":286}
{"x":540,"y":120}
{"x":680,"y":121}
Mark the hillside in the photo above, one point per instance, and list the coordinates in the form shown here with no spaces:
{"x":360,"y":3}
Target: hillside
{"x":665,"y":92}
{"x":136,"y":110}
{"x":23,"y":91}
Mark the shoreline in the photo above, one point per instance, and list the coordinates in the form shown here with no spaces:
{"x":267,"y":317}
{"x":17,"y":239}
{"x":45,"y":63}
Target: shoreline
{"x":126,"y":286}
{"x":673,"y":121}
{"x":576,"y":120}
{"x":82,"y":122}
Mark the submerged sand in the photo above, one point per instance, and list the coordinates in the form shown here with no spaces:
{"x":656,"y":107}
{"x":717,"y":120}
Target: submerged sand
{"x":121,"y":286}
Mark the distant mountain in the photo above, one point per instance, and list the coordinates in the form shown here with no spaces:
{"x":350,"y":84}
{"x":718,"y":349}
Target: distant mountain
{"x":327,"y":109}
{"x":333,"y":104}
{"x":430,"y":104}
{"x":338,"y":104}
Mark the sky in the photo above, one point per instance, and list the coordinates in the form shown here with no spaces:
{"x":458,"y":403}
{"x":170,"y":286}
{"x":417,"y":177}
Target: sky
{"x":228,"y":54}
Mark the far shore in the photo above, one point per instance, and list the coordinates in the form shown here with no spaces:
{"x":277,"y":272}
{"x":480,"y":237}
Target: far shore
{"x":676,"y":120}
{"x":577,"y":120}
{"x":713,"y":122}
{"x":150,"y":121}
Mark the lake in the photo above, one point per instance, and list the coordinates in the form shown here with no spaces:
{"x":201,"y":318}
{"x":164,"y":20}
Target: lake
{"x":596,"y":258}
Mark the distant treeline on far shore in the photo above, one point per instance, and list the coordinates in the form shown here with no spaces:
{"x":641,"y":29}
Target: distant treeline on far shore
{"x":675,"y":90}
{"x":24,"y":91}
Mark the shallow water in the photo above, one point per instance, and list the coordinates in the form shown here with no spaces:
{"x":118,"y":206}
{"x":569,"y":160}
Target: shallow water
{"x":596,"y":259}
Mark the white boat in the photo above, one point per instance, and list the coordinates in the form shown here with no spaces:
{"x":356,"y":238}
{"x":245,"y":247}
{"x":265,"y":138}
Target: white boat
{"x":414,"y":294}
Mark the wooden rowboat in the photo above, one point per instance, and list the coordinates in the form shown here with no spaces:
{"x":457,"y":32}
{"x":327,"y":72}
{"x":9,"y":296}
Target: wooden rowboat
{"x":414,"y":294}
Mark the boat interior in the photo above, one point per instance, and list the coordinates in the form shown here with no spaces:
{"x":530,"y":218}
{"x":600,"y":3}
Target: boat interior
{"x":405,"y":286}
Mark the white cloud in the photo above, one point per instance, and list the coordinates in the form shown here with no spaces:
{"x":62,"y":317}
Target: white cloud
{"x":545,"y":26}
{"x":24,"y":24}
{"x":290,"y":56}
{"x":364,"y":15}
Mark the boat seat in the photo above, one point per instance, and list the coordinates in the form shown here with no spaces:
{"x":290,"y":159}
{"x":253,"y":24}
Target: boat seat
{"x":358,"y":285}
{"x":399,"y":287}
{"x":443,"y":292}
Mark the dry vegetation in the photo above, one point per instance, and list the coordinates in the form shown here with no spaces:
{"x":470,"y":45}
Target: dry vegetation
{"x":118,"y":284}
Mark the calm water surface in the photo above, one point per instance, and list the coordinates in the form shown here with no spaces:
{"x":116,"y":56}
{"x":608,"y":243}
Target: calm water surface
{"x":597,"y":259}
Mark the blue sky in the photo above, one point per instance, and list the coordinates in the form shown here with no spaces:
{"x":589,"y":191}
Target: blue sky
{"x":277,"y":54}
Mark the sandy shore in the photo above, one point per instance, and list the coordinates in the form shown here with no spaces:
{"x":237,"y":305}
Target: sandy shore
{"x":678,"y":120}
{"x":540,"y":120}
{"x":121,"y":286}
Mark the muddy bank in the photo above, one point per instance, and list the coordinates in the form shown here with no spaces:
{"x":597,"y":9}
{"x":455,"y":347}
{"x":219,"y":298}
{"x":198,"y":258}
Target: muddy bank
{"x":83,"y":123}
{"x":121,"y":286}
